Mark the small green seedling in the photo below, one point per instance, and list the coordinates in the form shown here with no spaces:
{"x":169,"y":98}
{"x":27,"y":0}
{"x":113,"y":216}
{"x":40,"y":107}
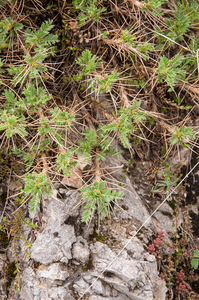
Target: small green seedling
{"x":195,"y":260}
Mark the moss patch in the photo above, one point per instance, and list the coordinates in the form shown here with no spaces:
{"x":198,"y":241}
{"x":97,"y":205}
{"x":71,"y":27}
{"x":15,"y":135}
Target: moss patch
{"x":10,"y":273}
{"x":98,"y":237}
{"x":4,"y":238}
{"x":89,"y":264}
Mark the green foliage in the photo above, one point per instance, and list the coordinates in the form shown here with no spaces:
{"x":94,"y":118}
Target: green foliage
{"x":195,"y":260}
{"x":127,"y":38}
{"x":12,"y":125}
{"x":179,"y":26}
{"x":171,"y":70}
{"x":62,"y":118}
{"x":34,"y":67}
{"x":45,"y":127}
{"x":91,"y":141}
{"x":65,"y":162}
{"x":36,"y":185}
{"x":124,"y":125}
{"x":88,"y":62}
{"x":169,"y":181}
{"x":28,"y":157}
{"x":1,"y":65}
{"x":97,"y":196}
{"x":34,"y":98}
{"x":142,"y":47}
{"x":3,"y":3}
{"x":191,"y":9}
{"x":88,"y":10}
{"x":7,"y":28}
{"x":105,"y":84}
{"x":182,"y":136}
{"x":41,"y":38}
{"x":154,"y":6}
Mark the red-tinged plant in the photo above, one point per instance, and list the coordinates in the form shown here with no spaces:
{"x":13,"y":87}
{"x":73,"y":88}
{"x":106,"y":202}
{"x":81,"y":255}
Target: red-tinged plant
{"x":179,"y":279}
{"x":155,"y":246}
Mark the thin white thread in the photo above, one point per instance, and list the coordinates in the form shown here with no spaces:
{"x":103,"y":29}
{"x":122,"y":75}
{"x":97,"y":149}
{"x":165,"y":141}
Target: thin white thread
{"x":137,"y":232}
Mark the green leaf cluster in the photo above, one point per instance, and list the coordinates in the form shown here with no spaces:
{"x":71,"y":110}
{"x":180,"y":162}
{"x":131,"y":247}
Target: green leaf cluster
{"x":39,"y":41}
{"x":178,"y":26}
{"x":154,"y":6}
{"x":142,"y":47}
{"x":7,"y":28}
{"x":88,"y":62}
{"x":195,"y":260}
{"x":34,"y":98}
{"x":97,"y":196}
{"x":42,"y":38}
{"x":171,"y":71}
{"x":12,"y":124}
{"x":36,"y":185}
{"x":62,"y":118}
{"x":65,"y":162}
{"x":182,"y":136}
{"x":124,"y":125}
{"x":91,"y":141}
{"x":105,"y":84}
{"x":89,"y":10}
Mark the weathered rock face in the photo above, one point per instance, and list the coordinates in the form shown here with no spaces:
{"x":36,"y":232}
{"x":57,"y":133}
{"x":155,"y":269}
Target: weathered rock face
{"x":54,"y":244}
{"x":70,"y":257}
{"x":3,"y":266}
{"x":34,"y":289}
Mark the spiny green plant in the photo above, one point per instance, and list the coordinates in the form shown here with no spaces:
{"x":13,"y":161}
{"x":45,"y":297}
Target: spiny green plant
{"x":34,"y":98}
{"x":28,"y":157}
{"x":179,"y":25}
{"x":42,"y":38}
{"x":7,"y":31}
{"x":167,"y":183}
{"x":154,"y":6}
{"x":142,"y":47}
{"x":88,"y":62}
{"x":182,"y":136}
{"x":128,"y":38}
{"x":191,"y":9}
{"x":105,"y":84}
{"x":65,"y":161}
{"x":123,"y":125}
{"x":89,"y":10}
{"x":97,"y":196}
{"x":40,"y":42}
{"x":171,"y":70}
{"x":91,"y":141}
{"x":12,"y":125}
{"x":36,"y":185}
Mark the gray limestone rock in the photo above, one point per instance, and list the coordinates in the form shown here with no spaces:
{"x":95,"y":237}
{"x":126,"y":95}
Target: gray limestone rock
{"x":59,"y":209}
{"x":54,"y":243}
{"x":33,"y":289}
{"x":54,"y":274}
{"x":119,"y":297}
{"x":134,"y":278}
{"x":3,"y":259}
{"x":80,"y":250}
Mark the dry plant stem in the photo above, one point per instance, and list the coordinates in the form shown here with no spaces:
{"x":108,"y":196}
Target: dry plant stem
{"x":97,"y":170}
{"x":43,"y":157}
{"x":6,"y":197}
{"x":123,"y":47}
{"x":137,"y":3}
{"x":124,"y":97}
